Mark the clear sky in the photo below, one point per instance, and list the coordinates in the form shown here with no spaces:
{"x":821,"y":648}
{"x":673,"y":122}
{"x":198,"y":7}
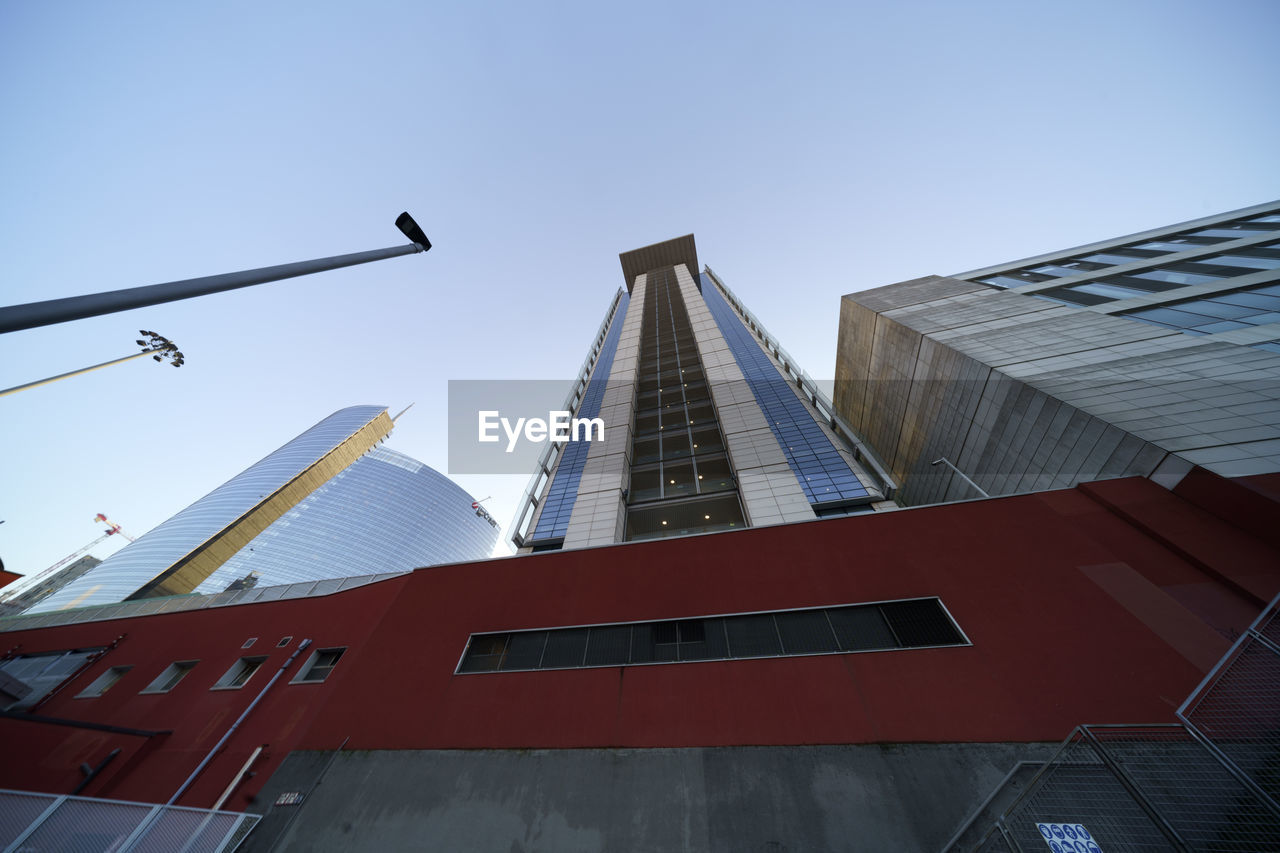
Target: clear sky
{"x":813,"y":148}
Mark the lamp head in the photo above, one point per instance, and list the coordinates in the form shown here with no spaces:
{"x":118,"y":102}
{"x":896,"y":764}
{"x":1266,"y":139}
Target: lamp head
{"x":411,"y":230}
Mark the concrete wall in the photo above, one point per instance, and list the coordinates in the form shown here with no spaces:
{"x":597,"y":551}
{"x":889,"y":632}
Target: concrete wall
{"x":890,"y":797}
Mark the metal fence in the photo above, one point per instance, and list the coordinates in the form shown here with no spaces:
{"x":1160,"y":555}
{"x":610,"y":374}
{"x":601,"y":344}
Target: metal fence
{"x":1236,"y":709}
{"x":1210,"y":783}
{"x":31,"y":822}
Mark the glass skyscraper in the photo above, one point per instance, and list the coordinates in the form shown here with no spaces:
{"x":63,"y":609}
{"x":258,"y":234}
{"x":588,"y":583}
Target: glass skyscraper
{"x":709,"y":424}
{"x":328,"y":504}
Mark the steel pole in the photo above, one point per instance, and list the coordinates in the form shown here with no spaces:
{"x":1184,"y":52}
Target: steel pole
{"x":945,"y":461}
{"x":38,"y":382}
{"x":35,"y":314}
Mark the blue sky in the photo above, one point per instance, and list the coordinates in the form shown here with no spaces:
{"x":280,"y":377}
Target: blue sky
{"x":814,"y":149}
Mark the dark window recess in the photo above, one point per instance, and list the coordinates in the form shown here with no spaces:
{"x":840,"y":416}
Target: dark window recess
{"x":753,"y":636}
{"x":565,"y":648}
{"x":805,"y":632}
{"x":609,"y":646}
{"x":859,"y":628}
{"x":852,"y":628}
{"x":921,"y":623}
{"x":485,"y":653}
{"x":321,"y":665}
{"x":524,"y":650}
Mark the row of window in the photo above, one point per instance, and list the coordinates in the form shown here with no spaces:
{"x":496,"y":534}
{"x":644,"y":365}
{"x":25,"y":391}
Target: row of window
{"x":681,"y":479}
{"x":677,"y":443}
{"x":1218,"y":313}
{"x":1145,"y":282}
{"x":1243,"y":260}
{"x":879,"y":626}
{"x":42,"y":672}
{"x":882,"y":626}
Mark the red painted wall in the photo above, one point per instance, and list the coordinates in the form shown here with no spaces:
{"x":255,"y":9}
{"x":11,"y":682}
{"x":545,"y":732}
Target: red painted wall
{"x":1105,"y":603}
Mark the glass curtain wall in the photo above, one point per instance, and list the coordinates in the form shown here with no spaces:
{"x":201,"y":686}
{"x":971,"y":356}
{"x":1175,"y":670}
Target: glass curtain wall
{"x":681,"y":480}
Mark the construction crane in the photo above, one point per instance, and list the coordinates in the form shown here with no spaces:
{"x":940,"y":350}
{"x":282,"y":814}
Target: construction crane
{"x":32,"y":580}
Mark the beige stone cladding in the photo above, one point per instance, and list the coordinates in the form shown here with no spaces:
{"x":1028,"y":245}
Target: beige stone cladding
{"x":769,"y":490}
{"x":600,"y":511}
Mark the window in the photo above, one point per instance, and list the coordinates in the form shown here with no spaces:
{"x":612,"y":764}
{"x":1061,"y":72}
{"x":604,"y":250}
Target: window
{"x":172,"y":674}
{"x":1174,"y":275}
{"x":1113,"y":258}
{"x":26,"y":679}
{"x":239,"y":674}
{"x":103,"y":682}
{"x":883,"y":626}
{"x":1219,"y":313}
{"x":318,"y":666}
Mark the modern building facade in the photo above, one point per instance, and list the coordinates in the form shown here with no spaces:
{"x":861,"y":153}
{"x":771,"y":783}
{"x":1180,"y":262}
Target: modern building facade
{"x":41,"y":590}
{"x":772,"y":688}
{"x":1147,"y":355}
{"x":709,"y":424}
{"x":330,"y":503}
{"x":858,"y":684}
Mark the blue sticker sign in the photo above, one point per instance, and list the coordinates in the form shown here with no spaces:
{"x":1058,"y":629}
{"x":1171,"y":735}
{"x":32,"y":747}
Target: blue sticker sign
{"x":1068,"y":838}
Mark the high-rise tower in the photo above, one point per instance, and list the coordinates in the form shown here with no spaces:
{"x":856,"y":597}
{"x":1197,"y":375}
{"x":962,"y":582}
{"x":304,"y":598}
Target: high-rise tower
{"x":331,"y":503}
{"x":709,"y":424}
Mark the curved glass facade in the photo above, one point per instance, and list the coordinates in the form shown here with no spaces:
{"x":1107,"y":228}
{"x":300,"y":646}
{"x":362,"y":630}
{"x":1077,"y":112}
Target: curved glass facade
{"x":192,"y":529}
{"x":387,"y":512}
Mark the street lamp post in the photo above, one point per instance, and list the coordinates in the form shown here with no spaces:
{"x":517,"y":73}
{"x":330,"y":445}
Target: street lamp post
{"x":157,"y":346}
{"x":34,"y":314}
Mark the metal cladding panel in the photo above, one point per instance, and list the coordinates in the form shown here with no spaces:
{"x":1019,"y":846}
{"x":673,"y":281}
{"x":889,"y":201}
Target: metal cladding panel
{"x":668,"y":253}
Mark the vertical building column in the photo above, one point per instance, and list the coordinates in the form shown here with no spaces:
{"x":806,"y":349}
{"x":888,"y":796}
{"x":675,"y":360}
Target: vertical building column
{"x":768,"y":487}
{"x":600,"y":512}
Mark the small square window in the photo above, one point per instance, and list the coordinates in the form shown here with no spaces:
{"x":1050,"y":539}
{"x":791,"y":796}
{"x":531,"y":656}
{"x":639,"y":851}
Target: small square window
{"x":103,"y":682}
{"x":239,"y":674}
{"x":172,"y":674}
{"x":249,"y":642}
{"x":318,"y":666}
{"x":284,"y":641}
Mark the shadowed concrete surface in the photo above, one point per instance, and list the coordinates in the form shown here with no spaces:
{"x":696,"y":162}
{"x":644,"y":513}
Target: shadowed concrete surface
{"x":885,"y":797}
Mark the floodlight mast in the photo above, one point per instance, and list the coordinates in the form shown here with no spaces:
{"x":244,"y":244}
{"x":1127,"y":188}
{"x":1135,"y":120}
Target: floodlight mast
{"x":34,"y":314}
{"x":156,"y":345}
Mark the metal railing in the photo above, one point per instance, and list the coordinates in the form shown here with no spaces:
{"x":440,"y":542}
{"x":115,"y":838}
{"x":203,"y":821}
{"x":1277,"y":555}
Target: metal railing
{"x":31,"y":821}
{"x":1208,"y":783}
{"x":1235,"y":710}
